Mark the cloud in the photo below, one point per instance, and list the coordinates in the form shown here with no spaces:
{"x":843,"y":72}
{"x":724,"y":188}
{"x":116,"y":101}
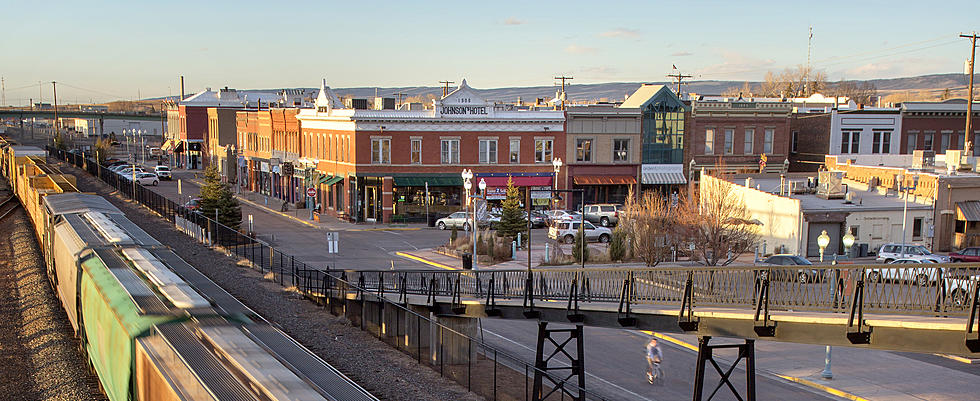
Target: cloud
{"x":625,"y":33}
{"x":576,"y":49}
{"x":905,"y":67}
{"x":514,"y":21}
{"x":681,"y":54}
{"x":737,"y":65}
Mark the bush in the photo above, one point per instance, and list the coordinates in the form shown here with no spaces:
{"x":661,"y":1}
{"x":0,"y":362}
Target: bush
{"x":581,"y":248}
{"x":453,"y":235}
{"x":617,"y":246}
{"x":490,"y":247}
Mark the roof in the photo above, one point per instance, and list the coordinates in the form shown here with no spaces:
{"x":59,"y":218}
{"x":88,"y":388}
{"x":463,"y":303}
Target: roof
{"x":864,"y":200}
{"x":77,"y":203}
{"x":224,"y":98}
{"x":957,"y":105}
{"x":642,"y":95}
{"x":327,"y":99}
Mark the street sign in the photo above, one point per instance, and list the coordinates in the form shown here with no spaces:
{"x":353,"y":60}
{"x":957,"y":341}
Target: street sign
{"x":762,"y":162}
{"x":333,"y":242}
{"x":311,"y":192}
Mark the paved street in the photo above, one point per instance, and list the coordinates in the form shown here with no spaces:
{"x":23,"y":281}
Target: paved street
{"x":615,"y":358}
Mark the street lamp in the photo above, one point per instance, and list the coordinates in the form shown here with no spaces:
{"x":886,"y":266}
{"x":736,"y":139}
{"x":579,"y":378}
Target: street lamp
{"x":848,"y":241}
{"x":467,"y":175}
{"x":554,"y":183}
{"x":822,"y":241}
{"x":483,"y":186}
{"x":905,"y":208}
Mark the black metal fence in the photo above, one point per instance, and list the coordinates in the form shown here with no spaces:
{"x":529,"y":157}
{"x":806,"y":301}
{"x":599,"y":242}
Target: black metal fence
{"x":470,"y":362}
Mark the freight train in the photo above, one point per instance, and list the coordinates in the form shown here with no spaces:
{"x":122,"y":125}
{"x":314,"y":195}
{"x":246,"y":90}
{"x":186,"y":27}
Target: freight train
{"x":153,"y":327}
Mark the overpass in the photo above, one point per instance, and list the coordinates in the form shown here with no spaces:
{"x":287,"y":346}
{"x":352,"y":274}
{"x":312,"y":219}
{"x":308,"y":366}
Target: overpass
{"x":919,"y":308}
{"x":49,"y":114}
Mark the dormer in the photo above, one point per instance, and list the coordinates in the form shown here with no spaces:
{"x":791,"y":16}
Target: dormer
{"x":327,"y":100}
{"x":464,"y":102}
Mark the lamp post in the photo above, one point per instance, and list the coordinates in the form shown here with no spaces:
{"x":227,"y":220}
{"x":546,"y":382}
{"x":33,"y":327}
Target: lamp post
{"x":848,"y":241}
{"x":467,"y":175}
{"x":483,"y":186}
{"x":822,"y":241}
{"x":557,"y":163}
{"x":905,"y":208}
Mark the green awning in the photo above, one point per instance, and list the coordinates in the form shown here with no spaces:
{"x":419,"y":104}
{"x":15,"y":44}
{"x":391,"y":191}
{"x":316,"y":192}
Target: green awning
{"x":332,"y":180}
{"x":433,"y":181}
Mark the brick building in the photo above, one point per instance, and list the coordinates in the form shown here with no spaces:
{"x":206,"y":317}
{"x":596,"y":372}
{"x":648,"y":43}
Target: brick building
{"x":938,"y":126}
{"x":189,"y":141}
{"x":733,"y":133}
{"x":662,"y":134}
{"x":370,"y":165}
{"x":602,"y":145}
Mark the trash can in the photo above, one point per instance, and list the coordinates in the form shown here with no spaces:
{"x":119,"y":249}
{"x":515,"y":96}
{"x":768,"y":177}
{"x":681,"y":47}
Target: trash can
{"x":431,"y":220}
{"x":467,"y":261}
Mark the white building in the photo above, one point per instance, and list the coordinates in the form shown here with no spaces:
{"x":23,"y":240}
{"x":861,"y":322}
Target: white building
{"x":865,"y":131}
{"x":94,"y":127}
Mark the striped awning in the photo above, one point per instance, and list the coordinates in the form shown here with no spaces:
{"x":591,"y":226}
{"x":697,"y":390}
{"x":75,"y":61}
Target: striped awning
{"x":604,"y":180}
{"x":969,"y":210}
{"x":663,"y":178}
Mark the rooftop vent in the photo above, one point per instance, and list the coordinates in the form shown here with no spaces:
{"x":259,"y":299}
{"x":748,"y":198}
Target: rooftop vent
{"x":108,"y":229}
{"x":168,"y":283}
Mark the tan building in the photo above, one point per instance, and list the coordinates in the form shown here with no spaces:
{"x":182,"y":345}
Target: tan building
{"x":602,"y":151}
{"x":221,"y":141}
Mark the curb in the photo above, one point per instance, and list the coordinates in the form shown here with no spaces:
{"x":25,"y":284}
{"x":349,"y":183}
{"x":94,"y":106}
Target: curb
{"x":426,"y":261}
{"x":969,"y":361}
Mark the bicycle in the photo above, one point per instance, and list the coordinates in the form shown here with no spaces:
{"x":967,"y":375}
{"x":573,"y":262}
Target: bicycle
{"x":655,"y":375}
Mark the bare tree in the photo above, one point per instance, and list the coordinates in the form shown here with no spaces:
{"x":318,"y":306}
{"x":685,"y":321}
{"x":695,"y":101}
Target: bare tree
{"x":650,"y":224}
{"x":719,"y":225}
{"x":861,"y":92}
{"x":793,"y":82}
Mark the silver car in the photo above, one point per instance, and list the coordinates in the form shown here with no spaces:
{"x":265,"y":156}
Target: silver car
{"x":565,"y":230}
{"x":458,"y":219}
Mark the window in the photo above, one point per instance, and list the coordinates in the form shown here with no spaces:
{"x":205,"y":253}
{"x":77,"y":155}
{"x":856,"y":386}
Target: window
{"x":911,"y":140}
{"x":488,"y":151}
{"x":917,"y":228}
{"x":380,"y":150}
{"x":944,"y":145}
{"x":960,"y":137}
{"x":621,"y":150}
{"x":543,"y":150}
{"x":583,"y":150}
{"x":876,"y":142}
{"x":515,"y":150}
{"x":886,"y":142}
{"x":855,"y":141}
{"x":795,"y":142}
{"x":927,"y":140}
{"x":749,"y":137}
{"x":450,"y":151}
{"x":845,"y":142}
{"x":767,"y":145}
{"x":729,"y":141}
{"x":416,"y":151}
{"x":709,"y":141}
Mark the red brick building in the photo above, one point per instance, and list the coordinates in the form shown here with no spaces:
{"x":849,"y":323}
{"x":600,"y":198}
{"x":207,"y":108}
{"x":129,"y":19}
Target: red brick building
{"x":370,"y":165}
{"x":938,"y":126}
{"x":736,"y":132}
{"x":189,"y":145}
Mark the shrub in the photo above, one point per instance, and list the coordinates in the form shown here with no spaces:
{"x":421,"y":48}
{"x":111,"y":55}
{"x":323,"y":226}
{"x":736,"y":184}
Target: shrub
{"x":617,"y":246}
{"x":581,"y":248}
{"x":453,"y":235}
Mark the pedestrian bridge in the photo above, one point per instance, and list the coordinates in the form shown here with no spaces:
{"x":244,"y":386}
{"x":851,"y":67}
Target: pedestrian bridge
{"x":920,"y":308}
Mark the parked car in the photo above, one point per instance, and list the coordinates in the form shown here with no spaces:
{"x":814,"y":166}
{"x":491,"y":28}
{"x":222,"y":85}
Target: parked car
{"x":163,"y":172}
{"x":538,"y":219}
{"x":147,"y":179}
{"x":493,"y":219}
{"x":971,"y":254}
{"x":558,"y":215}
{"x":565,"y":230}
{"x":193,"y":204}
{"x":458,"y":219}
{"x":804,"y":275}
{"x":917,"y":271}
{"x":890,"y":252}
{"x":603,"y":214}
{"x":129,"y":173}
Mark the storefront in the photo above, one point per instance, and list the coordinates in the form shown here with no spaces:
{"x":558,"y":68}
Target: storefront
{"x":603,"y":184}
{"x":443,"y":194}
{"x":540,"y":185}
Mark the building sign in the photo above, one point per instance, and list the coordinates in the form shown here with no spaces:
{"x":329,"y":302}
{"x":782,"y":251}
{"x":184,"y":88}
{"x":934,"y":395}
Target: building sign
{"x":471,"y":110}
{"x":264,"y":167}
{"x":496,"y":193}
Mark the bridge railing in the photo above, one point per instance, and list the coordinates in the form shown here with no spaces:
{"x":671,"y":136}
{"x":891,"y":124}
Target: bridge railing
{"x":919,"y":289}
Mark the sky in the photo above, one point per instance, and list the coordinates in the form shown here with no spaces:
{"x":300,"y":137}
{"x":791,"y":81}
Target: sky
{"x":107,"y":50}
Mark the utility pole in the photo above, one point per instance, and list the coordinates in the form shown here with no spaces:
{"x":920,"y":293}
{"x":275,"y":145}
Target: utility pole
{"x":969,"y":97}
{"x":445,"y":87}
{"x":563,"y":79}
{"x":679,"y":77}
{"x":3,"y":92}
{"x":54,"y":89}
{"x":399,"y":96}
{"x":806,"y":83}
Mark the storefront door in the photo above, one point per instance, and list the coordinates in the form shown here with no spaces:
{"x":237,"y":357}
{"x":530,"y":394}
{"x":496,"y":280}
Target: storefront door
{"x":372,"y":203}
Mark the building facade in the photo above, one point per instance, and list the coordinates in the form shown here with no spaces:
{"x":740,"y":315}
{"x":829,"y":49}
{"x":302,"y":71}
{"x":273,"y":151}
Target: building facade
{"x":602,"y":144}
{"x":732,"y":134}
{"x":938,"y":126}
{"x":371,"y":165}
{"x":662,"y":131}
{"x":865,"y":131}
{"x":190,"y":141}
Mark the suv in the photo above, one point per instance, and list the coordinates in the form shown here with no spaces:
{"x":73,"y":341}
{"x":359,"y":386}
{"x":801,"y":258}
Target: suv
{"x":889,"y":252}
{"x":604,"y":214}
{"x":163,"y":172}
{"x":458,"y":219}
{"x":565,"y":230}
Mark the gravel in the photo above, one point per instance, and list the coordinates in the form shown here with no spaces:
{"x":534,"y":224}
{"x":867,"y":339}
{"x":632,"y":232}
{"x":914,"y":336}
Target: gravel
{"x":384,"y":371}
{"x":39,"y":353}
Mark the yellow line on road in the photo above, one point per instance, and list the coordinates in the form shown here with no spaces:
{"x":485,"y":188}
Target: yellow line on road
{"x":957,"y":358}
{"x":671,"y":340}
{"x":387,"y":229}
{"x":426,"y":261}
{"x":821,"y":387}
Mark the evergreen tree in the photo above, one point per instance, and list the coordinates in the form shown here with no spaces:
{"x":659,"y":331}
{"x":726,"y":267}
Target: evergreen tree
{"x":216,"y":195}
{"x":580,"y":247}
{"x":512,"y":219}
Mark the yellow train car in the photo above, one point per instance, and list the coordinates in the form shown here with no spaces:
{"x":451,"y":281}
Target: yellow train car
{"x":33,"y":178}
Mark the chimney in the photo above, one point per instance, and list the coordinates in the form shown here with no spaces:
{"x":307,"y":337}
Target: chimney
{"x":181,"y":88}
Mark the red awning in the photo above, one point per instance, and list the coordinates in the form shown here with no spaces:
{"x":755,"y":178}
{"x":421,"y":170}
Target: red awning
{"x":603,"y":179}
{"x":518,"y":181}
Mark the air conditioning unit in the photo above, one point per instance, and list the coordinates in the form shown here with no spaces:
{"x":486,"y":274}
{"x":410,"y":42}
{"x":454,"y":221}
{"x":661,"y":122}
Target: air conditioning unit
{"x":922,"y":159}
{"x":831,"y":185}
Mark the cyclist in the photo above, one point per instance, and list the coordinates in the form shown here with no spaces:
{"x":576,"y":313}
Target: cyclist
{"x":654,"y":358}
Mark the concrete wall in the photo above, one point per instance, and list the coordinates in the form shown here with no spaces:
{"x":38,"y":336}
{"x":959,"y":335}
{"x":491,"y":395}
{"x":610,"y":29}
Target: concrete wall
{"x":780,"y":216}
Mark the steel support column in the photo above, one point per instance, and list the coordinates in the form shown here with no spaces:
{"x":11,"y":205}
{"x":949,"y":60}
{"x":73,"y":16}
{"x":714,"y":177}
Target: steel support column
{"x":706,"y":354}
{"x":544,"y":366}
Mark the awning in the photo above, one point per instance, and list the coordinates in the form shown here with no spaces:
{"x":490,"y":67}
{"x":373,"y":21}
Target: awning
{"x":166,"y":145}
{"x":603,"y":180}
{"x":328,"y":181}
{"x":663,"y":178}
{"x":179,"y":147}
{"x":969,"y":210}
{"x":544,"y":181}
{"x":433,"y":181}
